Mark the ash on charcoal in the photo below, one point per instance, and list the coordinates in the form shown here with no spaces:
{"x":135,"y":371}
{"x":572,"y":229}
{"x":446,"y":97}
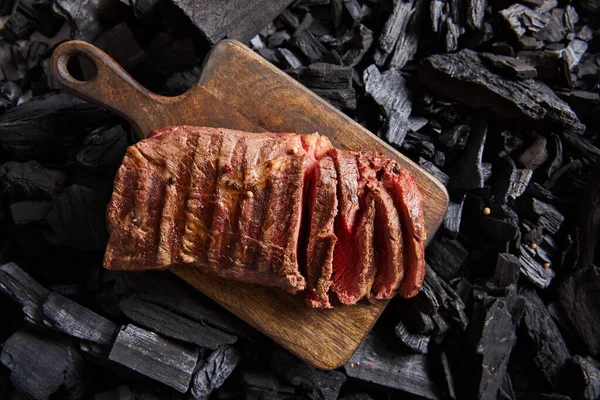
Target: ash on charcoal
{"x":414,"y":342}
{"x":65,"y":315}
{"x":467,"y":174}
{"x":30,"y":211}
{"x":155,"y":357}
{"x":453,"y":217}
{"x":103,"y":146}
{"x":41,"y":366}
{"x":212,"y":372}
{"x":532,"y":267}
{"x":577,"y":296}
{"x":589,"y":374}
{"x":446,"y":256}
{"x":390,"y":92}
{"x":463,"y":77}
{"x":375,"y":362}
{"x":22,"y":181}
{"x":78,"y":218}
{"x":550,"y":353}
{"x":509,"y":66}
{"x":24,"y":289}
{"x":171,"y":324}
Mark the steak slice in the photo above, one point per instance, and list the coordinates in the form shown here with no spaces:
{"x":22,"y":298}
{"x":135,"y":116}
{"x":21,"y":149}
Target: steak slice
{"x":409,"y":202}
{"x":225,"y":201}
{"x":323,"y":207}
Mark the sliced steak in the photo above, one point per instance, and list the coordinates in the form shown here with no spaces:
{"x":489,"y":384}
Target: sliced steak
{"x":409,"y":203}
{"x":323,"y":207}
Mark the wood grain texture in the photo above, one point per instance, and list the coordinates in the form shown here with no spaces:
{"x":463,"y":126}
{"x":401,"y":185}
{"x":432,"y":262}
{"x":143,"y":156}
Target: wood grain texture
{"x":240,"y":90}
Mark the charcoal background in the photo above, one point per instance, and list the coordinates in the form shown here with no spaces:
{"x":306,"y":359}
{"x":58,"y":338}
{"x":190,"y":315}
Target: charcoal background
{"x":499,"y":100}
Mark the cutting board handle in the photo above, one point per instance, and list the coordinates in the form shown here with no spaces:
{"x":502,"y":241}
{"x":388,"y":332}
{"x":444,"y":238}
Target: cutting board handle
{"x":110,"y":87}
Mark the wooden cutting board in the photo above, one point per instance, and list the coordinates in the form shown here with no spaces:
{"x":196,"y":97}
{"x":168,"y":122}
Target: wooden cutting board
{"x":238,"y":89}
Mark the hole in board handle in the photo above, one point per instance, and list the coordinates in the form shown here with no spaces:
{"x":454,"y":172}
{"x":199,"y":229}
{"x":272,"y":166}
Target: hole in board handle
{"x":80,"y":68}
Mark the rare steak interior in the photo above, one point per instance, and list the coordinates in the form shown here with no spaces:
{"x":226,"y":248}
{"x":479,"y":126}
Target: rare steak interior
{"x":276,"y":209}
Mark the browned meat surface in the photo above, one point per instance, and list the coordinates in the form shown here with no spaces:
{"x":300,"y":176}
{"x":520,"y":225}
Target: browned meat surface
{"x":323,"y":206}
{"x":283,"y":210}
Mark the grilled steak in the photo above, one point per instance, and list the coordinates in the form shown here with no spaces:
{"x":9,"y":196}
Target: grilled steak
{"x":283,"y":210}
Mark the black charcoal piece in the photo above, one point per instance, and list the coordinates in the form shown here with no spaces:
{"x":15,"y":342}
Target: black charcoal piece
{"x":547,"y":63}
{"x":16,"y":283}
{"x":502,"y":223}
{"x":492,"y":335}
{"x":506,"y":270}
{"x":564,"y":173}
{"x":589,"y":374}
{"x":554,"y":31}
{"x":307,"y":44}
{"x":177,"y":83}
{"x":264,"y":384}
{"x":158,"y":358}
{"x":356,"y":396}
{"x":30,"y":211}
{"x":103,"y":146}
{"x":395,"y":26}
{"x":390,"y":92}
{"x":588,"y":217}
{"x":522,"y":19}
{"x":532,"y":266}
{"x":359,"y":45}
{"x":65,"y":315}
{"x":475,"y":14}
{"x":22,"y":181}
{"x":278,"y":38}
{"x":455,"y":138}
{"x":581,"y":101}
{"x":375,"y":361}
{"x":413,"y":341}
{"x":550,"y":353}
{"x":435,"y":171}
{"x":511,"y":182}
{"x":41,"y":366}
{"x":171,"y":324}
{"x":78,"y":217}
{"x":344,"y":99}
{"x":336,"y":8}
{"x":556,"y":155}
{"x":577,"y":296}
{"x":271,"y":56}
{"x":289,"y":59}
{"x":119,"y":43}
{"x":467,"y":174}
{"x":509,"y":66}
{"x":549,"y":216}
{"x":463,"y":77}
{"x":535,"y":154}
{"x":446,"y":256}
{"x":448,"y":389}
{"x":212,"y":372}
{"x":453,"y":217}
{"x":29,"y":16}
{"x":240,"y":20}
{"x":408,"y":40}
{"x":88,"y":19}
{"x":323,"y":76}
{"x":581,"y":145}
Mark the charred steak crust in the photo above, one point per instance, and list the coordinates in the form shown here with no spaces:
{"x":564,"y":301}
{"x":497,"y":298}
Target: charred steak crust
{"x":236,"y":204}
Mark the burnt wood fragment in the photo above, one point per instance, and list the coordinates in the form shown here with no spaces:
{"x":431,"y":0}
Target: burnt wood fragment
{"x":240,"y":20}
{"x":64,"y":315}
{"x":522,"y":19}
{"x":212,"y":372}
{"x":446,"y":256}
{"x":462,"y":76}
{"x":576,"y":295}
{"x":88,"y":20}
{"x":433,"y":170}
{"x":506,"y":270}
{"x":16,"y":283}
{"x":376,"y":362}
{"x":395,"y":26}
{"x":467,"y":174}
{"x":588,"y":370}
{"x":23,"y":181}
{"x":155,"y":357}
{"x":509,"y":66}
{"x":408,"y":40}
{"x":41,"y":366}
{"x":510,"y":181}
{"x":550,"y":353}
{"x":554,"y":31}
{"x":78,"y":218}
{"x":359,"y":45}
{"x":314,"y":383}
{"x":532,"y":267}
{"x":415,"y":342}
{"x":390,"y":92}
{"x":549,"y":217}
{"x":453,"y":217}
{"x":171,"y":324}
{"x":455,"y":138}
{"x":288,"y":58}
{"x":30,"y":211}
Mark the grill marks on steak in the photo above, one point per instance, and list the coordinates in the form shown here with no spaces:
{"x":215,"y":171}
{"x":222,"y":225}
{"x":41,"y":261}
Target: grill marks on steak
{"x":269,"y":208}
{"x":322,"y":209}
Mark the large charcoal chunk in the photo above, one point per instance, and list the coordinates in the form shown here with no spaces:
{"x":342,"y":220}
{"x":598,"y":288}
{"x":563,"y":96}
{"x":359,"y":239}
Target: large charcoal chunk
{"x":532,"y":266}
{"x":413,"y":341}
{"x":23,"y":288}
{"x":316,"y":384}
{"x":21,"y":181}
{"x":160,"y":359}
{"x":589,"y":371}
{"x":577,"y":295}
{"x":390,"y":92}
{"x":408,"y":40}
{"x":506,"y":270}
{"x":90,"y":18}
{"x":550,"y":351}
{"x":467,"y":173}
{"x":30,"y":211}
{"x":103,"y":146}
{"x":376,"y":362}
{"x":41,"y":366}
{"x":509,"y":66}
{"x":462,"y":76}
{"x":172,"y":324}
{"x":213,"y":372}
{"x":446,"y":256}
{"x":65,"y":315}
{"x":395,"y":27}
